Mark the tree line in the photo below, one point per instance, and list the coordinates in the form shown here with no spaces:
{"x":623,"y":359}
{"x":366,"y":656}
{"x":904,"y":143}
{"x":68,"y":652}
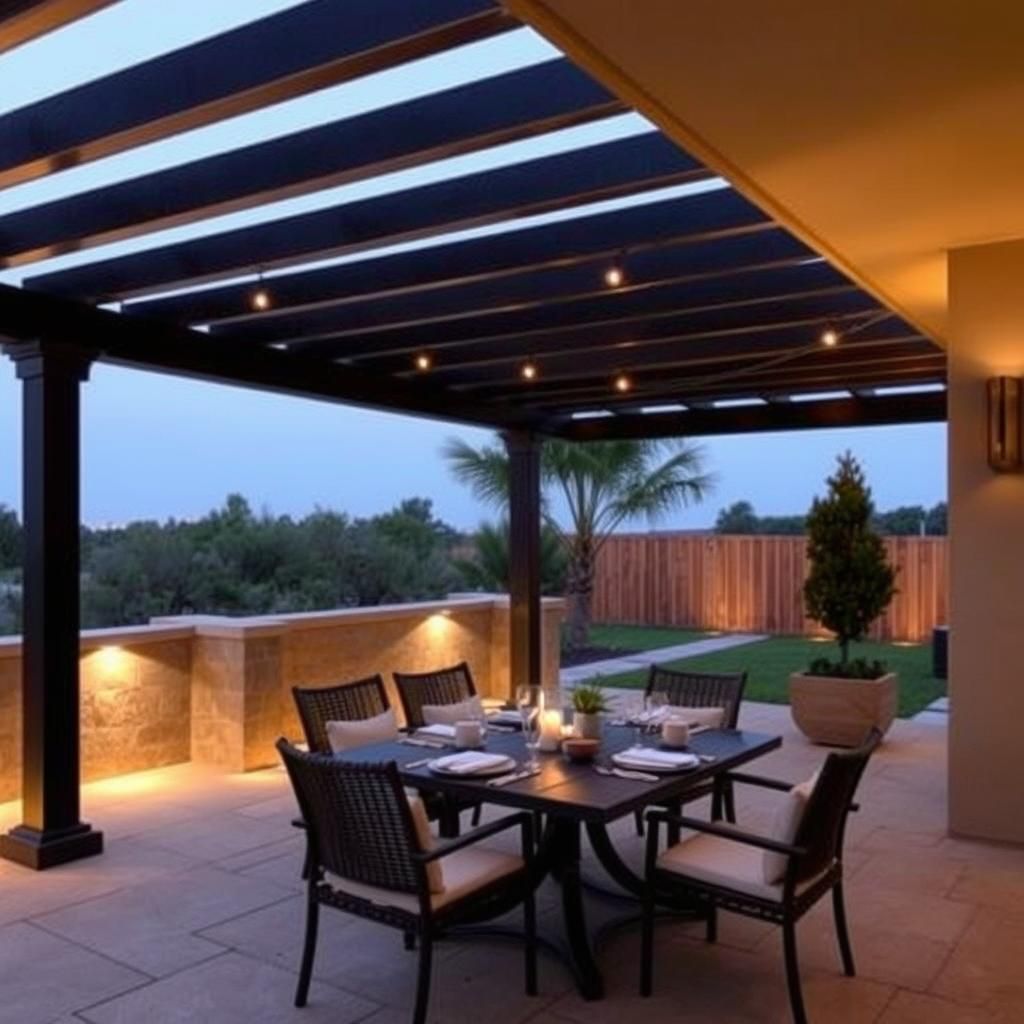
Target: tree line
{"x":905,"y":521}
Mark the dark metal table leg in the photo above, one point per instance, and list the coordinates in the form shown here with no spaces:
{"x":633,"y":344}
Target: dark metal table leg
{"x":567,"y":853}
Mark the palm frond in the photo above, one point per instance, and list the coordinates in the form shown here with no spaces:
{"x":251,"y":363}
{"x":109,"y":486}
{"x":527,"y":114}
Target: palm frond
{"x":484,"y":470}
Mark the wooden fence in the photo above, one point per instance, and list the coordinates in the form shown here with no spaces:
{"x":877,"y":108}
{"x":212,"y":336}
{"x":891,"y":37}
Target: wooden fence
{"x":753,"y":583}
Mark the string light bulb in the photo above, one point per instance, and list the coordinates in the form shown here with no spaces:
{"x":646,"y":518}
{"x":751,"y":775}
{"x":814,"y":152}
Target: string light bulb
{"x":623,"y":383}
{"x":259,"y":298}
{"x":424,"y":362}
{"x":615,"y":276}
{"x":528,"y":370}
{"x":830,"y":337}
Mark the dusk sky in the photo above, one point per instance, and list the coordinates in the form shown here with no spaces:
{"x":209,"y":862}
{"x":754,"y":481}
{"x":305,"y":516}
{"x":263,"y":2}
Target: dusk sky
{"x":157,"y":446}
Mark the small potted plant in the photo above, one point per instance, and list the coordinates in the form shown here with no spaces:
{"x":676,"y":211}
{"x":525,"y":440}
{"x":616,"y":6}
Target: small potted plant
{"x":588,"y":705}
{"x":849,"y":585}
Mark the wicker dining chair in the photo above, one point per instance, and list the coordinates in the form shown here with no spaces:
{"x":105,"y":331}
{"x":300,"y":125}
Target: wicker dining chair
{"x":702,"y":690}
{"x":451,"y":685}
{"x":723,"y":867}
{"x":369,"y":859}
{"x":348,"y":702}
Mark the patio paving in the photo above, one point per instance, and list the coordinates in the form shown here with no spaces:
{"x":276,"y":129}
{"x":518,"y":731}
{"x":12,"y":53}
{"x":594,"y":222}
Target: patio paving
{"x":195,"y":914}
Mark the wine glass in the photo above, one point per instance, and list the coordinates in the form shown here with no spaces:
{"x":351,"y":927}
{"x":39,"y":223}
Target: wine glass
{"x":528,"y":700}
{"x":656,"y":702}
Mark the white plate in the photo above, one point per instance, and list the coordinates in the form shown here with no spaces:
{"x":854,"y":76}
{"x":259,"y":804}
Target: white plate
{"x":507,"y":764}
{"x":623,"y":760}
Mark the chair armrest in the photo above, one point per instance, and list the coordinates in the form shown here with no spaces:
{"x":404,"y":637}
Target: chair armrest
{"x":523,"y":819}
{"x":758,"y":780}
{"x":726,"y":832}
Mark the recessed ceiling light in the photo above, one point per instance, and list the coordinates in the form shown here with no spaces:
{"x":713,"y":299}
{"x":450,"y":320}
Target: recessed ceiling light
{"x":623,"y":383}
{"x":260,"y":299}
{"x":424,"y":362}
{"x":830,"y":337}
{"x":528,"y":370}
{"x":614,"y":276}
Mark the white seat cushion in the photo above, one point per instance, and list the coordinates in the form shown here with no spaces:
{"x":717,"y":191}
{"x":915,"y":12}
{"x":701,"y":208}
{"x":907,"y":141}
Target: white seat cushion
{"x":361,"y":732}
{"x":464,"y":871}
{"x":723,"y":862}
{"x":449,"y":714}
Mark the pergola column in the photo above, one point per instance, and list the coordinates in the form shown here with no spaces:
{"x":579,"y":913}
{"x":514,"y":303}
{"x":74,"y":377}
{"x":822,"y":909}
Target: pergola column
{"x":986,"y":534}
{"x":525,"y":622}
{"x":51,"y":831}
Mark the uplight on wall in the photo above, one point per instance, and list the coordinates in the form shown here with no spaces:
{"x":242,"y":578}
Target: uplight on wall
{"x":1004,"y":424}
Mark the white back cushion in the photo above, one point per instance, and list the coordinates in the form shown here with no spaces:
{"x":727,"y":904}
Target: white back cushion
{"x":449,"y":714}
{"x":785,"y":827}
{"x":362,"y":732}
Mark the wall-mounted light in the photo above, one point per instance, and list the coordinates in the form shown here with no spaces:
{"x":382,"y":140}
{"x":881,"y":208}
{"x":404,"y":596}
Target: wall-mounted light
{"x":1004,"y":424}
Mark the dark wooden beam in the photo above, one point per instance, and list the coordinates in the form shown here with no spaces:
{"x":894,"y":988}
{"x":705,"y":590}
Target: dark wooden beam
{"x":147,"y":344}
{"x":470,"y":323}
{"x":524,"y":103}
{"x":714,"y":231}
{"x":297,"y":51}
{"x":732,"y":371}
{"x":605,"y":171}
{"x":842,"y":412}
{"x":613,"y":322}
{"x":657,"y":341}
{"x":894,"y":371}
{"x":21,"y":21}
{"x":51,"y":832}
{"x":525,"y":612}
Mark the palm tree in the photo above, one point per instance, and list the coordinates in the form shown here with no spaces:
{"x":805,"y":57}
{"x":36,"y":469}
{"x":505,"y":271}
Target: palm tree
{"x":487,"y":568}
{"x":603,"y":484}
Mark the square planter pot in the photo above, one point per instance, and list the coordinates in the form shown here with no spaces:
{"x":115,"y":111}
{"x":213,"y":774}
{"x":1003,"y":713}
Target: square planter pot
{"x":839,"y":712}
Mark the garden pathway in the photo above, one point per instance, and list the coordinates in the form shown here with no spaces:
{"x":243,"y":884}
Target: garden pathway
{"x":641,"y":659}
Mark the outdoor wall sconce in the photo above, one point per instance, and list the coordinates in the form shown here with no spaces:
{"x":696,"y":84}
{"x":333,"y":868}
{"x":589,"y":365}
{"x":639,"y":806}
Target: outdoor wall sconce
{"x":1004,"y":424}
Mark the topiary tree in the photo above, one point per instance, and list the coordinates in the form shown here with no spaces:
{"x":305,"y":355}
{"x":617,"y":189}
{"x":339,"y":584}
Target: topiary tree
{"x":851,"y":581}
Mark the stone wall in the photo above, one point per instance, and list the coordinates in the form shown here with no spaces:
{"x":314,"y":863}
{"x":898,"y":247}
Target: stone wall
{"x":136,"y":703}
{"x":218,"y":690}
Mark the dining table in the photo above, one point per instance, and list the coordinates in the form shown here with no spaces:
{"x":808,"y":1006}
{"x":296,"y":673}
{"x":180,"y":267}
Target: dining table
{"x":572,"y":799}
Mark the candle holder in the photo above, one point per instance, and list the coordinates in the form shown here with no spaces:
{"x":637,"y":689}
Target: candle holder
{"x":551,"y":719}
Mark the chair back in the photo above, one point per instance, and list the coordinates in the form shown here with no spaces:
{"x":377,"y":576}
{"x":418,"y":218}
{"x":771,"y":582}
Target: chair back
{"x":823,"y":825}
{"x":359,"y":821}
{"x":701,"y":690}
{"x":348,"y":702}
{"x":442,"y":686}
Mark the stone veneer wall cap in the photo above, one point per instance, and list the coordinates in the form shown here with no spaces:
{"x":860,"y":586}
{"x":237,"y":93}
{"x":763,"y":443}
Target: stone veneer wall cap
{"x":381,"y":612}
{"x":226,"y":626}
{"x":121,"y":636}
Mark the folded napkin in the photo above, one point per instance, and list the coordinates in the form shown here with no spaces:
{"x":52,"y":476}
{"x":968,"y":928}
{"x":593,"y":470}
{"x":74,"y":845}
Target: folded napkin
{"x":443,"y":732}
{"x":650,"y":758}
{"x":470,"y":762}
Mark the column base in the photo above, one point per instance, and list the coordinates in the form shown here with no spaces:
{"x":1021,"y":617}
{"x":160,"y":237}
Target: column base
{"x":42,"y":850}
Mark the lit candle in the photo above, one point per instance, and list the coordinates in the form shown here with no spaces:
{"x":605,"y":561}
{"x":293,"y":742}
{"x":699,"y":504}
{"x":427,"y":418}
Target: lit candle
{"x":550,"y":730}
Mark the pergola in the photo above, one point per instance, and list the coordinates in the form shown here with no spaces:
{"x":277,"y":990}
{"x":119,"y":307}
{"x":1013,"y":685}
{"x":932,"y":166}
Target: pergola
{"x":619,"y":290}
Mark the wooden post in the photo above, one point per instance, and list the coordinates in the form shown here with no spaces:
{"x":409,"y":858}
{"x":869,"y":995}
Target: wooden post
{"x":51,"y":832}
{"x":525,"y":621}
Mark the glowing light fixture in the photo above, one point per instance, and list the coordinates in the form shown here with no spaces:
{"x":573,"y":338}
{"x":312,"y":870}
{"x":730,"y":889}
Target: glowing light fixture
{"x":259,"y":297}
{"x":528,"y":370}
{"x":615,"y":275}
{"x":1004,"y":424}
{"x":424,"y":362}
{"x":830,"y":337}
{"x":623,"y":383}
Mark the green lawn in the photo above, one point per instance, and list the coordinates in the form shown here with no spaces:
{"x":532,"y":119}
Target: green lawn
{"x":769,"y":663}
{"x":641,"y":638}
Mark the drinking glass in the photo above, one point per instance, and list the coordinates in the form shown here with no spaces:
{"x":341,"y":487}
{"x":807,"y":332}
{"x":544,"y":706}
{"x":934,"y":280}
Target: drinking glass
{"x":528,"y":700}
{"x":655,"y":704}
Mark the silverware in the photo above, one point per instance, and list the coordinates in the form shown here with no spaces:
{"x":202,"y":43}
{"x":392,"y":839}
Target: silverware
{"x":622,"y":773}
{"x":418,"y":764}
{"x":507,"y":780}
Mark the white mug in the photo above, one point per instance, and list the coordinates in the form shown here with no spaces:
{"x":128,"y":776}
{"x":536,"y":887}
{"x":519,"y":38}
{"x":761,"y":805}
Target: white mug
{"x":675,"y":732}
{"x":469,"y":733}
